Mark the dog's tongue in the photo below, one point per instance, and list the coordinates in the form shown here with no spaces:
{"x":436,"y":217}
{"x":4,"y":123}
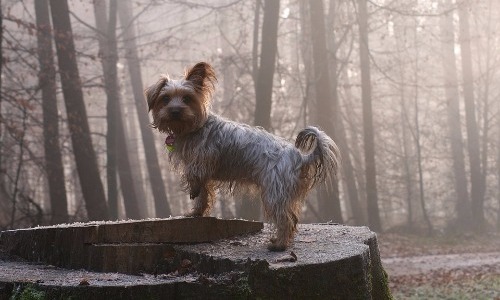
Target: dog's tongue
{"x":169,"y":141}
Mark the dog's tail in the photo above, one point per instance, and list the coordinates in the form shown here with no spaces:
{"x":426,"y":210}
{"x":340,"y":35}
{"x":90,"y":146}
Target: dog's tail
{"x":321,"y":156}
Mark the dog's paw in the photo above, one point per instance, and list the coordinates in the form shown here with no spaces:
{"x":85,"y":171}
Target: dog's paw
{"x":276,"y":247}
{"x":194,"y":192}
{"x":193,"y":214}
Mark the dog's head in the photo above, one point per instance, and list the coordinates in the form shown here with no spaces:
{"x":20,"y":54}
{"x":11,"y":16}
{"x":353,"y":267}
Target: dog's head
{"x":181,"y":106}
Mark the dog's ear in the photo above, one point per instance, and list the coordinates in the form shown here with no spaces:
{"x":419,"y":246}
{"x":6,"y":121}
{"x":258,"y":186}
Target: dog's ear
{"x":203,"y":78}
{"x":154,"y":90}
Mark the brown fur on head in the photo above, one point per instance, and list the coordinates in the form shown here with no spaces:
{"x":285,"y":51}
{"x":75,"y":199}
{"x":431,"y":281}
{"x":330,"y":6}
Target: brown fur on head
{"x":181,"y":106}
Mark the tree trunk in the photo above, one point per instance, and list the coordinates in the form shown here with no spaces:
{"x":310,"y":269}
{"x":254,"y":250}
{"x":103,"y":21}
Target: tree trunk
{"x":255,"y":42}
{"x":162,"y":207}
{"x":116,"y":131}
{"x":85,"y":157}
{"x":407,"y":162}
{"x":2,"y":171}
{"x":105,"y":43}
{"x":228,"y":72}
{"x":486,"y":103}
{"x":341,"y":135}
{"x":306,"y":53}
{"x":269,"y":46}
{"x":134,"y":147}
{"x":498,"y":166}
{"x":308,"y":92}
{"x":263,"y":74}
{"x":369,"y":140}
{"x":418,"y":146}
{"x":329,"y":200}
{"x":462,"y":205}
{"x":419,"y":160}
{"x":47,"y":82}
{"x":477,"y":181}
{"x":4,"y":199}
{"x":356,"y":151}
{"x":400,"y":36}
{"x":125,"y":173}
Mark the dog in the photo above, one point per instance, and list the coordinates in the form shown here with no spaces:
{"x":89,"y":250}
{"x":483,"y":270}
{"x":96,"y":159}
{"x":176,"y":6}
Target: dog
{"x":212,"y":153}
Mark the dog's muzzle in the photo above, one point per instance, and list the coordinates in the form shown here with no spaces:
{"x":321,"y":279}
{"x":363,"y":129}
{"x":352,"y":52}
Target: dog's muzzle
{"x":175,"y":113}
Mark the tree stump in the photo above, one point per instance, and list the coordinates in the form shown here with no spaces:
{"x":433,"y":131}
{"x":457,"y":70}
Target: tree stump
{"x":190,"y":258}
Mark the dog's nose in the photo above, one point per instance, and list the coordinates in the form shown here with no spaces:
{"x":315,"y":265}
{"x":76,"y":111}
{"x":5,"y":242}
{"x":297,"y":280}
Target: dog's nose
{"x":175,"y":113}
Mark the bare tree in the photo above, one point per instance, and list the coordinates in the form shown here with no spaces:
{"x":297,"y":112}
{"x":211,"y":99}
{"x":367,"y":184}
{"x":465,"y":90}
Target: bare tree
{"x":116,"y":132}
{"x":85,"y":157}
{"x":488,"y":87}
{"x":109,"y":59}
{"x":255,"y":41}
{"x":498,"y":165}
{"x":473,"y":145}
{"x":265,"y":74}
{"x":4,"y":203}
{"x":329,"y":201}
{"x":341,"y":135}
{"x":47,"y":82}
{"x":162,"y":207}
{"x":462,"y":206}
{"x":1,"y":101}
{"x":308,"y":73}
{"x":417,"y":136}
{"x":406,"y":144}
{"x":228,"y":72}
{"x":369,"y":141}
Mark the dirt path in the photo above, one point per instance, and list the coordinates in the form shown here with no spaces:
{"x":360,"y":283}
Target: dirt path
{"x":414,"y":265}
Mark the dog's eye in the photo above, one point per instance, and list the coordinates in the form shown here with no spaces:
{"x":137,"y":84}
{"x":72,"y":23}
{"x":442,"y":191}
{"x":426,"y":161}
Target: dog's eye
{"x":166,"y":99}
{"x":186,"y":99}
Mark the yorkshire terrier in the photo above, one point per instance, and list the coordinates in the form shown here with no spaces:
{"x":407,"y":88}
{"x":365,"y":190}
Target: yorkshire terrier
{"x":213,"y":153}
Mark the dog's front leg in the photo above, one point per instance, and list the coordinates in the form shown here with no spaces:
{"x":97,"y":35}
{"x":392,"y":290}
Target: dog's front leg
{"x":194,"y":190}
{"x":203,"y":194}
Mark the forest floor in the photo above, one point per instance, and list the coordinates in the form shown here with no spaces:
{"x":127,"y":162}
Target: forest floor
{"x":442,"y":267}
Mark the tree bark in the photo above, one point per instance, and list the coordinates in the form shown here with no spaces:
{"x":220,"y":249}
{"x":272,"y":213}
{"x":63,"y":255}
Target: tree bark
{"x":417,"y":131}
{"x":341,"y":135}
{"x":448,"y":57}
{"x":329,"y":200}
{"x":263,"y":74}
{"x":85,"y":157}
{"x":228,"y":72}
{"x":255,"y":42}
{"x":133,"y":141}
{"x":354,"y":142}
{"x":473,"y":145}
{"x":486,"y":102}
{"x":407,"y":159}
{"x":369,"y":140}
{"x":498,"y":166}
{"x":117,"y":160}
{"x":418,"y":147}
{"x":1,"y":115}
{"x":269,"y":46}
{"x":4,"y":199}
{"x":106,"y":57}
{"x":162,"y":208}
{"x":306,"y":53}
{"x":47,"y":83}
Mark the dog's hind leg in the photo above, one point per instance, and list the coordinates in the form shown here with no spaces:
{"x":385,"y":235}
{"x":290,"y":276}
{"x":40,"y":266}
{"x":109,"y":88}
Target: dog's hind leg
{"x":284,"y":216}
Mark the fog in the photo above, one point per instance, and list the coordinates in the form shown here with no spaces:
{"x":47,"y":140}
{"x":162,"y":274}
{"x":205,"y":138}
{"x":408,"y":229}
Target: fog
{"x":407,"y":89}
